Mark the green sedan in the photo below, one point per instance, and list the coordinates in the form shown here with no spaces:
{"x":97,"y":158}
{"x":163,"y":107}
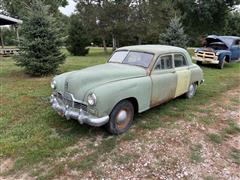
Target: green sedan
{"x":135,"y":79}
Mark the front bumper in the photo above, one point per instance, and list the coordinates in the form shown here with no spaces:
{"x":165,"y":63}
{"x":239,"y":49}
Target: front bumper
{"x":79,"y":114}
{"x":208,"y":60}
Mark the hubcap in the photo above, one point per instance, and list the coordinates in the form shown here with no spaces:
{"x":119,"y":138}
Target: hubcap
{"x":122,"y":118}
{"x":191,"y":90}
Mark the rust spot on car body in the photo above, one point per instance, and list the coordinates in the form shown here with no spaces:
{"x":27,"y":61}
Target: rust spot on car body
{"x":155,"y":103}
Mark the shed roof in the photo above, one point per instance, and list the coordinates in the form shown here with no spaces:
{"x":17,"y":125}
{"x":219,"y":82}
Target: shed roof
{"x":6,"y":20}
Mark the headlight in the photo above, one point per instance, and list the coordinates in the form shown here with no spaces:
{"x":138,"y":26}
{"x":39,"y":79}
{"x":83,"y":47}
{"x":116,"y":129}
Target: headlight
{"x":217,"y":53}
{"x":195,"y":50}
{"x":92,"y":99}
{"x":53,"y":84}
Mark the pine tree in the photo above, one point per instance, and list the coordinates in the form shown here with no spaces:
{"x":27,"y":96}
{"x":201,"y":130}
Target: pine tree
{"x":174,"y":34}
{"x":78,"y":39}
{"x":40,"y":42}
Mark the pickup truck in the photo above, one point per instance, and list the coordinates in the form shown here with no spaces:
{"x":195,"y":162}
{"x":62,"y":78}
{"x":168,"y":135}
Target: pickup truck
{"x":218,"y":50}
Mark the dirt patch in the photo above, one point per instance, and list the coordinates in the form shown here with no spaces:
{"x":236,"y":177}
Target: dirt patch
{"x":6,"y":165}
{"x":169,"y":153}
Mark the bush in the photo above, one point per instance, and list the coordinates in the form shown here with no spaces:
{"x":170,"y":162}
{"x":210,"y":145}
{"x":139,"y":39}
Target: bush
{"x":174,"y":34}
{"x":78,"y":39}
{"x":40,"y":42}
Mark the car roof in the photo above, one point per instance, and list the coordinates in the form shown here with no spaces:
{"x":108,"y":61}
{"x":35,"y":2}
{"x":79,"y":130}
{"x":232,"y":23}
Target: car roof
{"x":155,"y":49}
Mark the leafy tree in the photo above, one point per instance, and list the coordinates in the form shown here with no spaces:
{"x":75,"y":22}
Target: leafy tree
{"x":78,"y":38}
{"x":40,"y":43}
{"x":160,"y":13}
{"x":17,"y":7}
{"x":204,"y":17}
{"x":174,"y":34}
{"x":9,"y":36}
{"x":233,"y":24}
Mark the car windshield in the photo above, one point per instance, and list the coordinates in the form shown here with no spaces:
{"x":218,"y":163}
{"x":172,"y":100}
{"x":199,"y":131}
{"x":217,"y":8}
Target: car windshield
{"x":132,"y":57}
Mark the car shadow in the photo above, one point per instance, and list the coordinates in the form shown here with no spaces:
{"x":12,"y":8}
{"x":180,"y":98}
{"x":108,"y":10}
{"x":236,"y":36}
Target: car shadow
{"x":214,"y":66}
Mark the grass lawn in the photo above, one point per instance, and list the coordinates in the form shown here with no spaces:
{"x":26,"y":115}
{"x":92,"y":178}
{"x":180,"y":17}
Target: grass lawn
{"x":39,"y":142}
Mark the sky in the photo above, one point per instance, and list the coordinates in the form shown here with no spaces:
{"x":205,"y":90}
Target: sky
{"x":69,"y":9}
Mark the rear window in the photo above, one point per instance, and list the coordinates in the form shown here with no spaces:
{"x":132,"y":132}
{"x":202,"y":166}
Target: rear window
{"x":179,"y":60}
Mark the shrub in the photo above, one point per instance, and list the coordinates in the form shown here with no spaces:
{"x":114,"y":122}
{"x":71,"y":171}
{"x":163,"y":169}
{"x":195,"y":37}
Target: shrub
{"x":40,"y":42}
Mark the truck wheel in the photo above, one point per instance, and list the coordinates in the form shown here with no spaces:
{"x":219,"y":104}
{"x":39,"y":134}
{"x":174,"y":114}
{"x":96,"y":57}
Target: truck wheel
{"x":121,"y":118}
{"x":191,"y":91}
{"x":221,"y":63}
{"x":199,"y":63}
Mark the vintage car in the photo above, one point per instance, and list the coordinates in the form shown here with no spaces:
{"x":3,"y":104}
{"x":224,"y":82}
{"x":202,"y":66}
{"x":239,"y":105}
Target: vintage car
{"x":135,"y":79}
{"x":218,"y":50}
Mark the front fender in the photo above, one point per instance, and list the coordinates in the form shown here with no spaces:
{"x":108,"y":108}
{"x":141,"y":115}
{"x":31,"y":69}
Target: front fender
{"x":224,"y":53}
{"x":109,"y":94}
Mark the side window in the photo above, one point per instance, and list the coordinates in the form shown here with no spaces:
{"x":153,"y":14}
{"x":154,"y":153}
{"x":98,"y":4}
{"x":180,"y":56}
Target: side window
{"x":238,"y":42}
{"x":179,"y":60}
{"x":164,"y":62}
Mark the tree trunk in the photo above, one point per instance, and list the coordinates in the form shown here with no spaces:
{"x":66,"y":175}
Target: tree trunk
{"x":139,"y":41}
{"x":1,"y":37}
{"x":104,"y":44}
{"x":17,"y":35}
{"x":114,"y":43}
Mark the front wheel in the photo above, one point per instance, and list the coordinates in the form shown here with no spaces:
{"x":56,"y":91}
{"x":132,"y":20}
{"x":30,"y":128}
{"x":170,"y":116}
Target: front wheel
{"x":221,"y":63}
{"x":191,"y":91}
{"x":121,"y":118}
{"x":199,"y":63}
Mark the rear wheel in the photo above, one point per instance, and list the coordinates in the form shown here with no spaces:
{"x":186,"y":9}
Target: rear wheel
{"x":191,"y":91}
{"x":221,"y":63}
{"x":121,"y":118}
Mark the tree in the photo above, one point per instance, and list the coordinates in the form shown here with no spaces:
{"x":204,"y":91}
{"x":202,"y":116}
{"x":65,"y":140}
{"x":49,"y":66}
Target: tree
{"x":78,"y":38}
{"x":17,"y":7}
{"x":233,"y":24}
{"x":40,"y":44}
{"x":174,"y":34}
{"x":204,"y":17}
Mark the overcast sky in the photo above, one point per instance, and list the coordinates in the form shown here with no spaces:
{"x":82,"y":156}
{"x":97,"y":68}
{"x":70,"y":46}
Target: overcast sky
{"x":69,"y":9}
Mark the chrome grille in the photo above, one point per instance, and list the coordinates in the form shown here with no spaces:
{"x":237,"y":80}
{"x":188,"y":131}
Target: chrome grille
{"x":67,"y":99}
{"x":208,"y":55}
{"x":80,"y":106}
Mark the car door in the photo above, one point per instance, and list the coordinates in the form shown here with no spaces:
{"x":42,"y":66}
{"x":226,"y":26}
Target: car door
{"x":164,"y":80}
{"x":183,"y":74}
{"x":235,"y":50}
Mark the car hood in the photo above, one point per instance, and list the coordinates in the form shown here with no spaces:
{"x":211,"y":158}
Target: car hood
{"x":82,"y":81}
{"x":208,"y":49}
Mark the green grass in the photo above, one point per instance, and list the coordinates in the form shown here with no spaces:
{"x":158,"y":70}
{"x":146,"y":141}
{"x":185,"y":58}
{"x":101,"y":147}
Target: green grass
{"x":122,"y":159}
{"x":216,"y":138}
{"x":235,"y":156}
{"x":31,"y":132}
{"x":225,"y":133}
{"x":195,"y":155}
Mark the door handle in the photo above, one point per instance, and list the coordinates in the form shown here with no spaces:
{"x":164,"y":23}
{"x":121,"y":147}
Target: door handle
{"x":173,"y":71}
